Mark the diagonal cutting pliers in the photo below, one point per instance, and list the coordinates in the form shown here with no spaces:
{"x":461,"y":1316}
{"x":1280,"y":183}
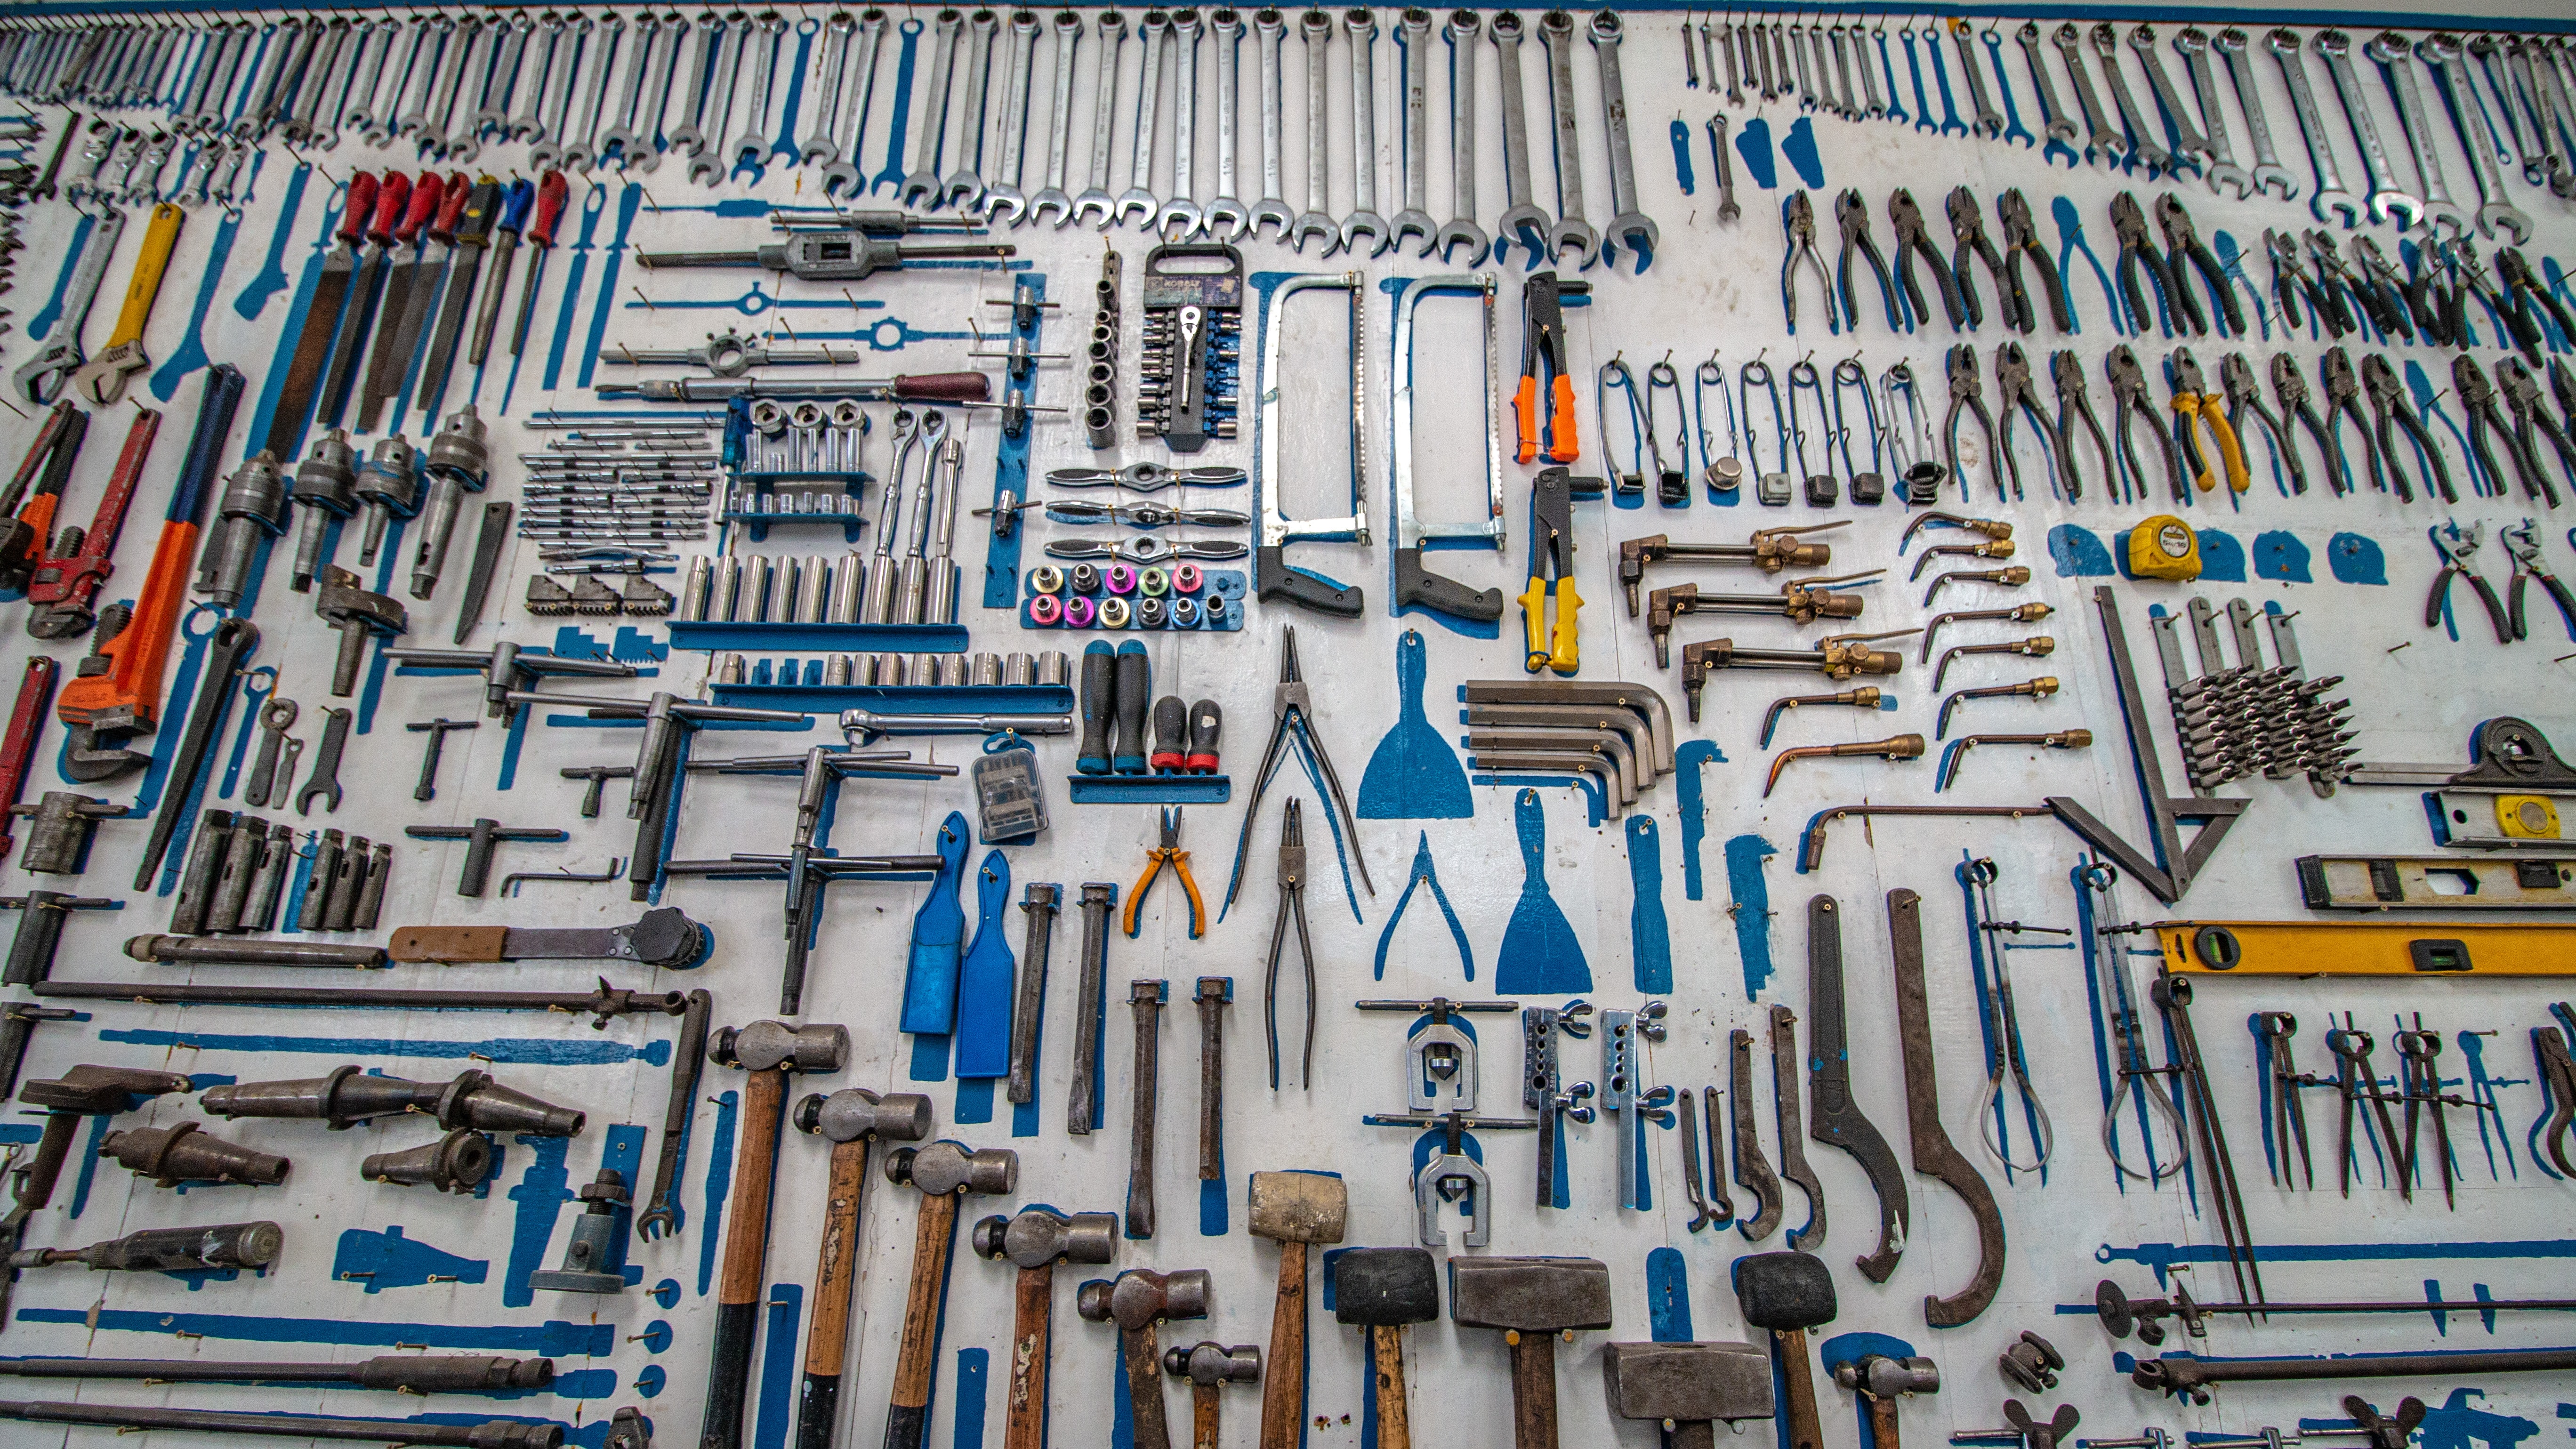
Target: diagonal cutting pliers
{"x":2021,"y":237}
{"x":1968,"y":235}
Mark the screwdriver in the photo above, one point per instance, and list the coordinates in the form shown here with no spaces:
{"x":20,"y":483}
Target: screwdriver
{"x":827,"y":256}
{"x":1098,"y":688}
{"x":1135,"y":692}
{"x":552,"y":190}
{"x":515,"y":205}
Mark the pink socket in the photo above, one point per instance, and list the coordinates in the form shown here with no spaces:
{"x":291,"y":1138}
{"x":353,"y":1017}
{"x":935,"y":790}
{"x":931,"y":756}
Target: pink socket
{"x":1079,"y":612}
{"x":1122,"y":579}
{"x":1188,"y":579}
{"x":1046,"y":611}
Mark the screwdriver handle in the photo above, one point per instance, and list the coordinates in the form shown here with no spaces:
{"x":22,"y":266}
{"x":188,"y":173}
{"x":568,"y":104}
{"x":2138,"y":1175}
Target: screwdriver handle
{"x":942,"y":387}
{"x":451,"y":208}
{"x":1099,"y":680}
{"x":1563,"y":445}
{"x":1135,"y":689}
{"x":515,"y":205}
{"x":1207,"y":722}
{"x":360,"y":206}
{"x":552,"y":192}
{"x":1171,"y":722}
{"x":426,"y":195}
{"x":393,"y":197}
{"x":481,"y":210}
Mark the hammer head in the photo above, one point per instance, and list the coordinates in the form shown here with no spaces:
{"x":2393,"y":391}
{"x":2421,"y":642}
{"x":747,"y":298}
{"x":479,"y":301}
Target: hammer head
{"x":1881,"y":1377}
{"x":1385,"y":1287}
{"x":1298,"y":1207}
{"x":1141,"y":1297}
{"x":763,"y":1045}
{"x":1037,"y":1236}
{"x":948,"y":1167}
{"x":1785,"y":1291}
{"x":1207,"y":1365}
{"x":1529,"y":1295}
{"x":100,"y":1091}
{"x":855,"y":1112}
{"x":1687,"y":1383}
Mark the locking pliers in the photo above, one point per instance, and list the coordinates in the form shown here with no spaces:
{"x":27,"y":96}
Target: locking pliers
{"x":1968,"y":235}
{"x":2128,"y":403}
{"x":1907,"y":219}
{"x":2129,"y":224}
{"x":2193,"y":399}
{"x":2182,"y":240}
{"x":2012,"y":214}
{"x":2014,"y":392}
{"x":1967,"y":393}
{"x":2387,"y":406}
{"x":1852,"y":213}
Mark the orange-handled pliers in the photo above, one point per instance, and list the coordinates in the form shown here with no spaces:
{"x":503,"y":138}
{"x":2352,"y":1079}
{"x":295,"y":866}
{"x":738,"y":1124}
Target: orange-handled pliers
{"x":1170,"y":850}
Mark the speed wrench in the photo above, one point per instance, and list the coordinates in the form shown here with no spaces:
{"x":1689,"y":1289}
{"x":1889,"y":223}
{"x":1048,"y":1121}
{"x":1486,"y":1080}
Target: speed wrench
{"x":103,"y":379}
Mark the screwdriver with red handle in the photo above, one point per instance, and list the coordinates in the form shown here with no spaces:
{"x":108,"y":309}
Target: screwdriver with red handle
{"x":552,"y":192}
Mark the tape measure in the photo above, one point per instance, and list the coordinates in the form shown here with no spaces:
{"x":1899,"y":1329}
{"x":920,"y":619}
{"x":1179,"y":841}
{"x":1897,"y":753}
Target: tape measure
{"x":2164,"y":547}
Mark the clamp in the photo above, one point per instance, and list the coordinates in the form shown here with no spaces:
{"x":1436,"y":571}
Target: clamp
{"x":2021,"y":238}
{"x":2522,"y":396}
{"x":1798,"y":220}
{"x":2128,"y":402}
{"x":2129,"y":224}
{"x":2245,"y":395}
{"x":1554,"y":644}
{"x":2193,"y":399}
{"x":2013,"y":390}
{"x":1907,"y":219}
{"x":2522,"y":542}
{"x":2388,"y":405}
{"x":1968,"y":233}
{"x":1852,"y":212}
{"x":2456,"y":545}
{"x":2182,"y":240}
{"x":2074,"y":405}
{"x":1169,"y":852}
{"x":1544,"y":368}
{"x":1967,"y":392}
{"x":2343,"y":392}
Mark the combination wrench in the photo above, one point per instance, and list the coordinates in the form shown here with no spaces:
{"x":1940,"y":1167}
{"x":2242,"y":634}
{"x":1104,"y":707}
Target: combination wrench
{"x":464,"y":132}
{"x":843,"y":175}
{"x":2193,"y":145}
{"x":2192,"y":44}
{"x":2061,"y":126}
{"x":1095,"y":197}
{"x":1138,"y":200}
{"x":1268,"y":28}
{"x":1363,"y":220}
{"x":1556,"y":33}
{"x":536,"y":66}
{"x":1004,"y":201}
{"x":1522,"y":220}
{"x":463,"y":35}
{"x":689,"y":137}
{"x":1462,"y":231}
{"x":2396,"y":61}
{"x":581,"y":142}
{"x":1315,"y":28}
{"x":424,"y":74}
{"x":706,"y":160}
{"x":1179,"y":218}
{"x":1990,"y":121}
{"x":2330,"y":194}
{"x":2441,"y":55}
{"x":1413,"y":43}
{"x":556,"y":117}
{"x":1052,"y":197}
{"x":2142,"y":142}
{"x":1226,"y":217}
{"x":2268,"y":173}
{"x":2113,"y":146}
{"x":2385,"y":201}
{"x":1631,"y":230}
{"x":963,"y":187}
{"x":493,"y":113}
{"x":930,"y":132}
{"x":823,"y":143}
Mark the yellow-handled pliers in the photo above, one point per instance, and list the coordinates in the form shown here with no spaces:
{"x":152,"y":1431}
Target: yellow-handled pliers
{"x":1554,"y":643}
{"x":2193,"y":399}
{"x":1169,"y":851}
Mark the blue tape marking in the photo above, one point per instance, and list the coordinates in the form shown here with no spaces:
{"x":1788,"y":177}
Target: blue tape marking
{"x":1650,"y":936}
{"x":974,"y":1103}
{"x":1122,"y":1406}
{"x":1011,"y":469}
{"x":719,"y":1183}
{"x":1420,"y":874}
{"x":1751,"y":907}
{"x":2162,"y":1258}
{"x":1681,"y":158}
{"x":649,"y":1381}
{"x":594,"y":204}
{"x":2280,"y":555}
{"x":984,"y":978}
{"x":98,"y":1128}
{"x":2483,"y":1089}
{"x":1687,"y":758}
{"x":388,"y":1259}
{"x":1540,"y":955}
{"x":1595,"y":801}
{"x":513,"y":1050}
{"x":2222,"y":558}
{"x":21,"y":1132}
{"x":784,"y":146}
{"x":1753,"y":144}
{"x":1216,"y":1215}
{"x":2078,"y":552}
{"x":778,"y":1365}
{"x":929,"y":1057}
{"x":191,"y":354}
{"x":1799,"y":147}
{"x":974,"y":1375}
{"x":628,"y":203}
{"x":555,"y":1338}
{"x":1414,"y":774}
{"x":541,"y":1193}
{"x":1668,"y":1310}
{"x":2353,"y":559}
{"x":1847,"y":1347}
{"x":900,"y":110}
{"x":252,"y":699}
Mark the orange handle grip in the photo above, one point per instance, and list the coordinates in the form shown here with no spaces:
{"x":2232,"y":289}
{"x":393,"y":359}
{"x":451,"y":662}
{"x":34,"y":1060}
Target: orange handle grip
{"x":1525,"y":413}
{"x":1564,"y":445}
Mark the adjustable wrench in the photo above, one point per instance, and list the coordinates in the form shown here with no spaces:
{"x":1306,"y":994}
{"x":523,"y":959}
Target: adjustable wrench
{"x":1227,"y":217}
{"x":1179,"y":218}
{"x":1268,"y":26}
{"x":2385,"y":201}
{"x":823,"y":143}
{"x":1315,"y":27}
{"x":1095,"y":197}
{"x":1364,"y":221}
{"x":843,"y":175}
{"x":1413,"y":40}
{"x":2396,"y":61}
{"x":1522,"y":220}
{"x":556,"y":122}
{"x":1631,"y":230}
{"x":1005,"y":196}
{"x":1138,"y":199}
{"x":621,"y":136}
{"x":2194,"y":146}
{"x":1556,"y":32}
{"x":2100,"y":137}
{"x":2330,"y":194}
{"x":930,"y":133}
{"x":1462,"y":230}
{"x":964,"y":187}
{"x":748,"y":149}
{"x":2441,"y":54}
{"x":2268,"y":173}
{"x":2142,"y":143}
{"x":2061,"y":126}
{"x":689,"y":137}
{"x":2192,"y":44}
{"x":40,"y":378}
{"x":1053,"y":197}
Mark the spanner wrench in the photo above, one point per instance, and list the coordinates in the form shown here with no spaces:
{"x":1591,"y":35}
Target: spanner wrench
{"x":2396,"y":60}
{"x":2192,"y":44}
{"x":462,"y":41}
{"x":823,"y":143}
{"x":1138,"y":200}
{"x":2113,"y":146}
{"x":1053,"y":198}
{"x":1268,"y":28}
{"x":2441,"y":55}
{"x":1462,"y":33}
{"x":1413,"y":40}
{"x":1556,"y":32}
{"x":930,"y":131}
{"x":1003,"y":201}
{"x":1095,"y":198}
{"x":2142,"y":141}
{"x":2385,"y":201}
{"x":463,"y":132}
{"x":2268,"y":173}
{"x":324,"y":782}
{"x":1179,"y":218}
{"x":424,"y":75}
{"x":1522,"y":220}
{"x":1315,"y":28}
{"x":689,"y":138}
{"x":963,"y":187}
{"x":1364,"y":220}
{"x":2330,"y":194}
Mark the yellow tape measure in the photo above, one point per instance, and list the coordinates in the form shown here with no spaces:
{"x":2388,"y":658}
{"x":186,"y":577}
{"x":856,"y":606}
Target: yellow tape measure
{"x":2164,"y":547}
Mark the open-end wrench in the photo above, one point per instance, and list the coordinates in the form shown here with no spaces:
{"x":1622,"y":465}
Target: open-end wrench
{"x":930,"y":130}
{"x":581,"y":139}
{"x":462,"y":42}
{"x":2142,"y":141}
{"x":322,"y":77}
{"x":1808,"y":96}
{"x":1179,"y":217}
{"x":2545,"y":161}
{"x":747,"y":150}
{"x":1522,"y":221}
{"x":1138,"y":200}
{"x":277,"y":77}
{"x":1003,"y":201}
{"x":1727,"y":210}
{"x":2330,"y":194}
{"x":372,"y":42}
{"x":1227,"y":217}
{"x":2192,"y":145}
{"x":706,"y":160}
{"x":621,"y":137}
{"x":2192,"y":44}
{"x":689,"y":137}
{"x":1095,"y":198}
{"x":2396,"y":60}
{"x":646,"y":155}
{"x":1461,"y":32}
{"x":2441,"y":55}
{"x":509,"y":51}
{"x":1053,"y":198}
{"x":1413,"y":41}
{"x":1990,"y":121}
{"x":2113,"y":146}
{"x":1268,"y":27}
{"x":556,"y":125}
{"x":1630,"y":230}
{"x":460,"y":122}
{"x":2268,"y":174}
{"x":1364,"y":220}
{"x":963,"y":187}
{"x":424,"y":74}
{"x":2386,"y":201}
{"x":188,"y":113}
{"x":1315,"y":27}
{"x":823,"y":142}
{"x":1556,"y":32}
{"x":1876,"y":105}
{"x":536,"y":66}
{"x":843,"y":174}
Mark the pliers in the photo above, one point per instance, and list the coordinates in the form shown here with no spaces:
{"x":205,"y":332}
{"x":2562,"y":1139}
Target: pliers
{"x":2290,"y":387}
{"x":2129,"y":402}
{"x":2182,"y":240}
{"x":1968,"y":393}
{"x":2478,"y":400}
{"x":1853,"y":214}
{"x":2291,"y":281}
{"x":1169,"y":852}
{"x":1554,"y":644}
{"x":2457,"y":545}
{"x":2245,"y":395}
{"x":2012,"y":214}
{"x":2522,"y":396}
{"x":2193,"y":399}
{"x":2013,"y":390}
{"x":2521,"y":287}
{"x":2558,"y":1074}
{"x":2343,"y":393}
{"x":2388,"y":405}
{"x":1798,"y":220}
{"x":1292,"y":903}
{"x":2522,"y":542}
{"x":2337,"y":278}
{"x":2075,"y":404}
{"x":2510,"y":316}
{"x":2402,"y":302}
{"x":1907,"y":219}
{"x":1968,"y":234}
{"x":2129,"y":224}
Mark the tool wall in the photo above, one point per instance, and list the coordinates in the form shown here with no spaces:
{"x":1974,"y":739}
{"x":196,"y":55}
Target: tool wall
{"x":1447,"y":726}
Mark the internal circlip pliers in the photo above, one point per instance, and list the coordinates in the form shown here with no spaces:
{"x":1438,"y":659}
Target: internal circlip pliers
{"x":2457,"y":546}
{"x":2021,"y":236}
{"x":2245,"y":395}
{"x":1907,"y":220}
{"x":2182,"y":240}
{"x":1852,"y":214}
{"x":1798,"y":221}
{"x":2014,"y":392}
{"x":1554,"y":643}
{"x":1968,"y":394}
{"x":2129,"y":224}
{"x":2388,"y":405}
{"x":2129,"y":402}
{"x":1968,"y":235}
{"x":2193,"y":399}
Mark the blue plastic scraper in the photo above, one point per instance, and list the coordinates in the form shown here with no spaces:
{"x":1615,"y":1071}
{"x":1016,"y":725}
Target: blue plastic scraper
{"x":1414,"y":775}
{"x":938,"y":938}
{"x":984,"y":992}
{"x":1540,"y":956}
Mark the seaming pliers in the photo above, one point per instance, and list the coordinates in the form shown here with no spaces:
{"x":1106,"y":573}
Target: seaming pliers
{"x":2479,"y":399}
{"x":2192,"y":399}
{"x":2457,"y":546}
{"x":1554,"y":643}
{"x":1968,"y":395}
{"x":2075,"y":405}
{"x":2522,"y":397}
{"x":1169,"y":852}
{"x":2342,"y":387}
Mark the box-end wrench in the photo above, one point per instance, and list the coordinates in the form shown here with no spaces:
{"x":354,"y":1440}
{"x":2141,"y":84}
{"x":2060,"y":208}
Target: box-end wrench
{"x":2330,"y":195}
{"x":1138,"y":200}
{"x":1630,"y":230}
{"x":1364,"y":220}
{"x":555,"y":129}
{"x":930,"y":129}
{"x":2441,"y":55}
{"x":1227,"y":218}
{"x":2099,"y":137}
{"x":1004,"y":201}
{"x":689,"y":138}
{"x":1462,"y":33}
{"x":1522,"y":221}
{"x":2142,"y":141}
{"x":2191,"y":145}
{"x":749,"y":149}
{"x":621,"y":139}
{"x":1095,"y":205}
{"x":2396,"y":60}
{"x":1315,"y":28}
{"x":823,"y":143}
{"x":2385,"y":201}
{"x":843,"y":174}
{"x":2192,"y":44}
{"x":1556,"y":32}
{"x":1268,"y":28}
{"x":2268,"y":174}
{"x":1179,"y":217}
{"x":1413,"y":176}
{"x":1052,"y":199}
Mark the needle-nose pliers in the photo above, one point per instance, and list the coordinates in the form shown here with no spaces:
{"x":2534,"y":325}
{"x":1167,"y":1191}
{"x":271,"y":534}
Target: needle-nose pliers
{"x":1169,"y":852}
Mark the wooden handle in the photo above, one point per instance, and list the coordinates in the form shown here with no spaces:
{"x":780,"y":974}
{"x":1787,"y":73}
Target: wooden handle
{"x":917,"y":1364}
{"x":1533,"y":1390}
{"x":827,"y":1334}
{"x":1283,"y":1379}
{"x":1032,"y":1313}
{"x":755,"y":1170}
{"x":1145,"y":1387}
{"x":1805,"y":1432}
{"x":1203,"y":1416}
{"x":1882,"y":1421}
{"x":1394,"y":1420}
